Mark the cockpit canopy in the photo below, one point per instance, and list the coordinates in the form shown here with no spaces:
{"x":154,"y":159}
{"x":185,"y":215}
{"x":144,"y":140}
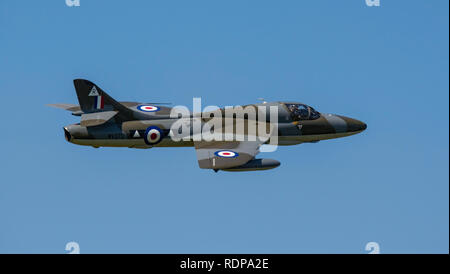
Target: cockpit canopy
{"x":302,"y":112}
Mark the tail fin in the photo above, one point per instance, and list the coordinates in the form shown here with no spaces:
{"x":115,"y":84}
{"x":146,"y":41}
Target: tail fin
{"x":94,"y":99}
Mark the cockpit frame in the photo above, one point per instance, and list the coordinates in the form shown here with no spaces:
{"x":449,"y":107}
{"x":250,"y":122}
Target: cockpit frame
{"x":302,"y":112}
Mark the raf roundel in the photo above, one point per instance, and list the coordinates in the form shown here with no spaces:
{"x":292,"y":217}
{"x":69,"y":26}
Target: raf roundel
{"x":226,"y":154}
{"x":153,"y":135}
{"x":148,"y":108}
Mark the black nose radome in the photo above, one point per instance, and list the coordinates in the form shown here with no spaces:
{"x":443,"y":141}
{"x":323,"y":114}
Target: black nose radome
{"x":355,"y":125}
{"x":364,"y":126}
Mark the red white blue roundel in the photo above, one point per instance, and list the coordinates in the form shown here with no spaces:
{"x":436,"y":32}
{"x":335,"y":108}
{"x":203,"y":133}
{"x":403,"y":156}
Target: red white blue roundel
{"x":226,"y":154}
{"x":147,"y":108}
{"x":153,"y":135}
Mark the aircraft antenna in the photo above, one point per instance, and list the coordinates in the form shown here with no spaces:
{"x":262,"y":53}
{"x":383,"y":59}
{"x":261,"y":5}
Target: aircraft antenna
{"x":262,"y":100}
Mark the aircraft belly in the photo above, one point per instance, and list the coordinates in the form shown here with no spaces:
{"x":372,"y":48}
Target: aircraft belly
{"x":168,"y":142}
{"x":294,"y":140}
{"x":132,"y":143}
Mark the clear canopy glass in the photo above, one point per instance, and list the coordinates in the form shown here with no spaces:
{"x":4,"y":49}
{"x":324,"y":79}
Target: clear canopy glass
{"x":302,"y":112}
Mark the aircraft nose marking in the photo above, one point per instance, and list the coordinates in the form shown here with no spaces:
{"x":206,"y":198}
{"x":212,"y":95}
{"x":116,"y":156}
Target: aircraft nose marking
{"x":336,"y":122}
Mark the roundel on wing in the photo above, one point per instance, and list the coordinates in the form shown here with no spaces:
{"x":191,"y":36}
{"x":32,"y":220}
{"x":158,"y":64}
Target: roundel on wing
{"x":226,"y":154}
{"x":153,"y":135}
{"x":147,"y":108}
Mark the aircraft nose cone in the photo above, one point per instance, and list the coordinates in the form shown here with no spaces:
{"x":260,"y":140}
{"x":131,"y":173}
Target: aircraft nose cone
{"x":363,"y":126}
{"x":355,"y":125}
{"x":343,"y":124}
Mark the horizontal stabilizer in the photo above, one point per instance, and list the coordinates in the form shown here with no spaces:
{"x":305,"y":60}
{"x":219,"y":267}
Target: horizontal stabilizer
{"x":96,"y":118}
{"x":69,"y":107}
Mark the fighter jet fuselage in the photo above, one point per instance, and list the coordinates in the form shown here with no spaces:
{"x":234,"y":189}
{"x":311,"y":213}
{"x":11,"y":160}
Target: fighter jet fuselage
{"x":108,"y":123}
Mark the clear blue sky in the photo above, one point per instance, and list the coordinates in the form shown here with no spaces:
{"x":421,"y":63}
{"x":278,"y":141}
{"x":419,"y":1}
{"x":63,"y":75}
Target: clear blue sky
{"x":386,"y":66}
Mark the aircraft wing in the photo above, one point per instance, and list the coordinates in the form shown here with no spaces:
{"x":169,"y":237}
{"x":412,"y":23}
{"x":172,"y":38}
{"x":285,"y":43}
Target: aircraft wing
{"x":229,"y":154}
{"x":222,"y":155}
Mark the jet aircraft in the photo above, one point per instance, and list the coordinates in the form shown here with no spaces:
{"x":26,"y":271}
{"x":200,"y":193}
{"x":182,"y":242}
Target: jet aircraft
{"x":106,"y":122}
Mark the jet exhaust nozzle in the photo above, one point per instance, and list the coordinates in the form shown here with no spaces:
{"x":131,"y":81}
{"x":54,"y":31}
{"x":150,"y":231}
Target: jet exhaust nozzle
{"x":67,"y":135}
{"x":75,"y":131}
